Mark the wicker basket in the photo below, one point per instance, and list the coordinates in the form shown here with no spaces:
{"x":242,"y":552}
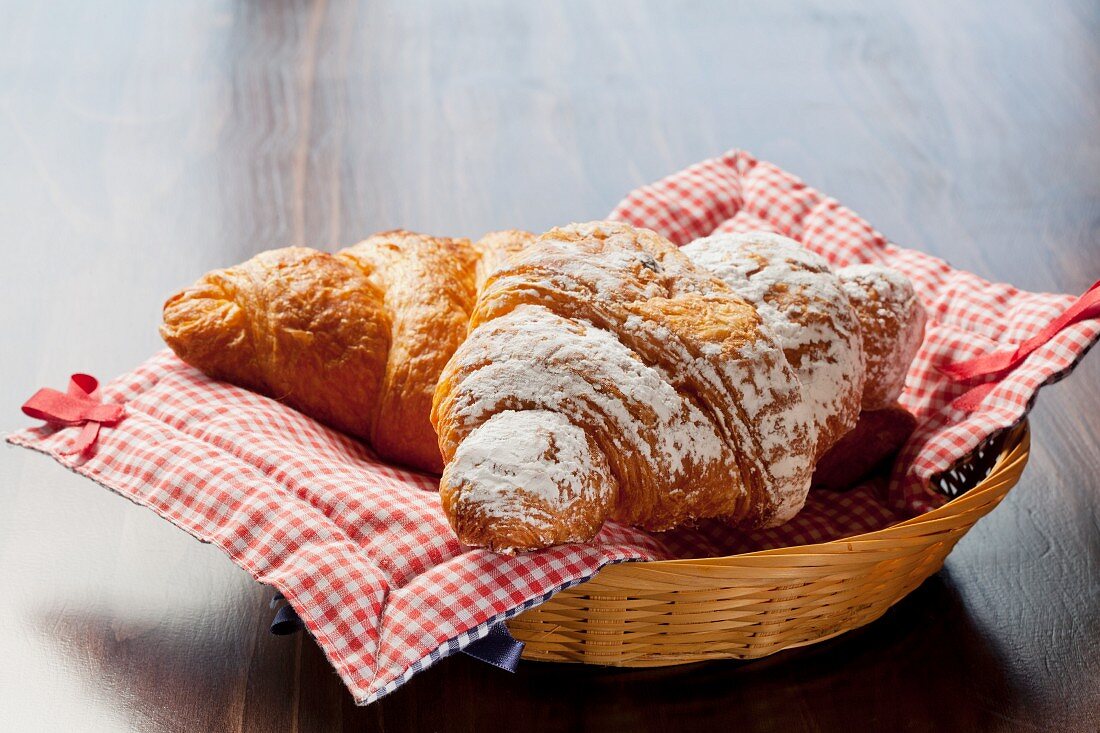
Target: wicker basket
{"x":651,"y":614}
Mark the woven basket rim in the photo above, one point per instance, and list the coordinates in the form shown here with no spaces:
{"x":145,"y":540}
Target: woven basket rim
{"x":1016,"y":437}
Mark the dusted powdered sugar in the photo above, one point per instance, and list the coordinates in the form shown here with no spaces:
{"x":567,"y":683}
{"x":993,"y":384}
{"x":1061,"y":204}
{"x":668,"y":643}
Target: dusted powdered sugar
{"x":757,"y":405}
{"x":778,"y":423}
{"x":891,"y":286}
{"x":687,"y":398}
{"x":606,"y":276}
{"x":800,"y":301}
{"x":543,"y":361}
{"x":613,"y":261}
{"x":892,"y":319}
{"x":538,"y":453}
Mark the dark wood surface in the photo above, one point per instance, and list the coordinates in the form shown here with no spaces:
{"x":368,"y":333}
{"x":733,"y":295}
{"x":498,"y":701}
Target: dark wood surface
{"x":142,"y":144}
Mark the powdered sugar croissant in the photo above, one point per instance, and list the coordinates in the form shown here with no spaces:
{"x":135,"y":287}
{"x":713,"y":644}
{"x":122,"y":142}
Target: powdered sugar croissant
{"x":606,"y":376}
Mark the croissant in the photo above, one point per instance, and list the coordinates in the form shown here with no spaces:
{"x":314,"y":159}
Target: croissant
{"x":307,"y":327}
{"x":607,"y":376}
{"x":356,"y":340}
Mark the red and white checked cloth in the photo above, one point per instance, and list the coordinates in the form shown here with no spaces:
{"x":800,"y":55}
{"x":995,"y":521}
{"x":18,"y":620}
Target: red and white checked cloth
{"x":361,"y":549}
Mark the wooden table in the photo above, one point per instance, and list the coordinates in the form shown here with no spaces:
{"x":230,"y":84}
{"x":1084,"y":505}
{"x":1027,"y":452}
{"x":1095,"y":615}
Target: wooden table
{"x":142,"y":144}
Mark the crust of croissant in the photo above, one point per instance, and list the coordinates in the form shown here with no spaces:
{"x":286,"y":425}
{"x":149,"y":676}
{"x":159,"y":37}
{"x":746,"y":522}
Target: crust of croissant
{"x":428,"y":287}
{"x":668,"y":334}
{"x":496,"y":250}
{"x":296,"y":324}
{"x":700,"y":323}
{"x":892,"y":321}
{"x":644,"y":504}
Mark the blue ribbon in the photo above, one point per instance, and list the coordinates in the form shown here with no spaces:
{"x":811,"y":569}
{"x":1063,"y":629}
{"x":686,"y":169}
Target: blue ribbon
{"x":286,"y":621}
{"x":498,"y":648}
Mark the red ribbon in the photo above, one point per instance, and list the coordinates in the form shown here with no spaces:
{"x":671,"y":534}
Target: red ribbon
{"x":79,"y":406}
{"x":1002,"y":362}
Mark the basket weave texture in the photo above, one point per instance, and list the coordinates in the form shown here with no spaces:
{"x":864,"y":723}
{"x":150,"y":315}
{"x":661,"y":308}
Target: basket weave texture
{"x":650,"y":614}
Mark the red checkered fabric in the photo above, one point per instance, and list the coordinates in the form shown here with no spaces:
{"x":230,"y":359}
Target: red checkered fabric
{"x":362,"y":550}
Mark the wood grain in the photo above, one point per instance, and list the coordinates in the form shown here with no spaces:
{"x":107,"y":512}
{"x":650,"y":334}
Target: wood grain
{"x":142,"y":144}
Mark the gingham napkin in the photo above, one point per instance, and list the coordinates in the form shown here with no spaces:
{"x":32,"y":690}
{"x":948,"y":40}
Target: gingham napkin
{"x":361,"y":548}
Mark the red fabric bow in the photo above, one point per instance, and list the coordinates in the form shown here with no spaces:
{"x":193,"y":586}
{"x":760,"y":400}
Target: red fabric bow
{"x":79,"y":406}
{"x":1001,"y":362}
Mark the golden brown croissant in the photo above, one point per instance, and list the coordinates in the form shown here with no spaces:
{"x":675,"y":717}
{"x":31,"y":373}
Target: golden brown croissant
{"x":356,"y":339}
{"x":497,"y":249}
{"x":303,"y":326}
{"x":428,"y":287}
{"x":606,"y":376}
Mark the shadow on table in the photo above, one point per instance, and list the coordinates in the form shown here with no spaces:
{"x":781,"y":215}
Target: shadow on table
{"x":922,"y":666}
